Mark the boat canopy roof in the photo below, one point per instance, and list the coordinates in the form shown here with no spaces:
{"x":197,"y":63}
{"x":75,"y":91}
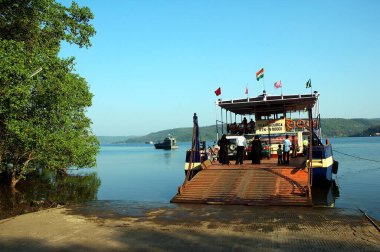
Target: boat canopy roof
{"x":270,"y":104}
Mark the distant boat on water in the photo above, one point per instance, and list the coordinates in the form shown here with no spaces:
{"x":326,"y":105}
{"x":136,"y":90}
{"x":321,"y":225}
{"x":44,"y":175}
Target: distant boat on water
{"x":149,"y":142}
{"x":169,"y":143}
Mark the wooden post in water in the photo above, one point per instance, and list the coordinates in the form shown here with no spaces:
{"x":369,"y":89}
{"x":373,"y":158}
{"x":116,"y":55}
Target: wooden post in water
{"x":310,"y":158}
{"x":191,"y":159}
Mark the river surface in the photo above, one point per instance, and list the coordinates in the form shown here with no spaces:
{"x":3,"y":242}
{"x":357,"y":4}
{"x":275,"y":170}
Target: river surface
{"x":139,"y":175}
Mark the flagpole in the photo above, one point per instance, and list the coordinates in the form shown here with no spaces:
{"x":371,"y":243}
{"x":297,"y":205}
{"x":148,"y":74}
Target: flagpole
{"x":264,"y":84}
{"x":311,"y":87}
{"x":247,"y":90}
{"x":216,"y":119}
{"x":218,"y":92}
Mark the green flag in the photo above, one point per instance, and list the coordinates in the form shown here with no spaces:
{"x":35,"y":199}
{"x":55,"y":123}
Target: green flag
{"x":308,"y":84}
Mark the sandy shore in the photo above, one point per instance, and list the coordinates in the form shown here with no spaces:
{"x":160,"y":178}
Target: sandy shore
{"x":190,"y":228}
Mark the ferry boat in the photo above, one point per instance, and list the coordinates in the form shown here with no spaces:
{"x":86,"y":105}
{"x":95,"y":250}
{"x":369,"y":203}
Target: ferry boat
{"x":276,"y":117}
{"x":273,"y":118}
{"x":169,"y":143}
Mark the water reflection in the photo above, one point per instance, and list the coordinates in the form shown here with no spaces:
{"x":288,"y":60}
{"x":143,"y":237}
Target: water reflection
{"x":325,"y":195}
{"x":168,"y":156}
{"x":47,"y":190}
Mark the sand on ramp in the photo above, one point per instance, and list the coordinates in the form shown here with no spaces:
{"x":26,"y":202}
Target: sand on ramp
{"x":190,"y":228}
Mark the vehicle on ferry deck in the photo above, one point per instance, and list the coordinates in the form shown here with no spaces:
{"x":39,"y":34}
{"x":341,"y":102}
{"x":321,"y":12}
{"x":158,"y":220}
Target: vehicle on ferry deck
{"x":232,"y":149}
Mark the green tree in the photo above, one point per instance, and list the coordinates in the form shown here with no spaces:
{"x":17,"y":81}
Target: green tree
{"x":42,"y":117}
{"x":372,"y":131}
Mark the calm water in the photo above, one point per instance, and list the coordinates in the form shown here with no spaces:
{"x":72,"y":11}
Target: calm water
{"x":358,"y":180}
{"x":140,"y":173}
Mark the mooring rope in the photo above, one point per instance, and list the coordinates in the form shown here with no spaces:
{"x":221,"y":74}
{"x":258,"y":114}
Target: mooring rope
{"x":357,"y":157}
{"x":370,"y":220}
{"x":352,"y":199}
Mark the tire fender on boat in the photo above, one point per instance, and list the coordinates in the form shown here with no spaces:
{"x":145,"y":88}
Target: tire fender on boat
{"x":335,"y":167}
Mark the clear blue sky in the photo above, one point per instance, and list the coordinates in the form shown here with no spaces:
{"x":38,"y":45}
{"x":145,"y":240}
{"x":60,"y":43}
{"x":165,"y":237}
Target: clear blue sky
{"x":154,"y":63}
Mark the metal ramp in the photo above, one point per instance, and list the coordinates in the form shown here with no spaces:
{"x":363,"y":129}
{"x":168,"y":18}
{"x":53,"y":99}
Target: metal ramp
{"x":247,"y":185}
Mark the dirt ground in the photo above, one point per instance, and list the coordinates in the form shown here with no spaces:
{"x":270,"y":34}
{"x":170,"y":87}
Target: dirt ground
{"x":190,"y":228}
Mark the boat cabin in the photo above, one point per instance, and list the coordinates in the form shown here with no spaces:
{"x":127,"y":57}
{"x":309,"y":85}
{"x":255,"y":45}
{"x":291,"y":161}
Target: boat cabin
{"x":271,"y":118}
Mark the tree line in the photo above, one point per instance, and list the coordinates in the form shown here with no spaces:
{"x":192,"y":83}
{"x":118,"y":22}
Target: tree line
{"x":42,"y":100}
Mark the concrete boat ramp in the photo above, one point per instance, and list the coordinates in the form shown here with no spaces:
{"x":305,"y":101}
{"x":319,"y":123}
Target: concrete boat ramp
{"x":189,"y":227}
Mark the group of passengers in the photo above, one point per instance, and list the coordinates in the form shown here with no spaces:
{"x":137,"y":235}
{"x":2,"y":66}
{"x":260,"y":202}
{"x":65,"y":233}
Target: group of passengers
{"x":283,"y":153}
{"x":241,"y":144}
{"x":244,"y":127}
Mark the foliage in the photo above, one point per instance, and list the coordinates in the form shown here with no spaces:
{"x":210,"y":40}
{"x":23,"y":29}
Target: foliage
{"x":338,"y":127}
{"x":42,"y":117}
{"x":112,"y":139}
{"x":372,"y":131}
{"x":43,"y":24}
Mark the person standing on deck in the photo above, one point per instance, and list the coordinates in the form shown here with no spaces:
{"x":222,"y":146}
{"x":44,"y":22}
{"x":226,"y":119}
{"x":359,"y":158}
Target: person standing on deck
{"x":279,"y":155}
{"x":286,"y":149}
{"x":195,"y":119}
{"x":223,"y":152}
{"x":294,"y":147}
{"x":241,"y":143}
{"x":252,"y":126}
{"x":245,"y":124}
{"x":196,"y":143}
{"x":256,"y":150}
{"x":244,"y":121}
{"x":305,"y":144}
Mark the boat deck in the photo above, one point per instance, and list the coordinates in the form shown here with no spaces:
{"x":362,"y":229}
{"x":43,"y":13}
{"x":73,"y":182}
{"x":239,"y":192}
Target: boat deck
{"x":249,"y":184}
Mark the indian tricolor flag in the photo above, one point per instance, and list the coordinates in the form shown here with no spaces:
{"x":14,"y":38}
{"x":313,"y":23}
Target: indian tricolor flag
{"x":260,"y":74}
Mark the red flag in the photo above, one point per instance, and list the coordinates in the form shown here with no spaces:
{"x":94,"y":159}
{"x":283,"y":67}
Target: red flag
{"x":218,"y":91}
{"x":246,"y":89}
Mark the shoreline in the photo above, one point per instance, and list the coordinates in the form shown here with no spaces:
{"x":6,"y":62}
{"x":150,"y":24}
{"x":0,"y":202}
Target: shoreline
{"x":189,"y":227}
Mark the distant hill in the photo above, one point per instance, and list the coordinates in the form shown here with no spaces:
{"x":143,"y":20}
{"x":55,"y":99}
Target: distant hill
{"x":112,"y":139}
{"x":181,"y":134}
{"x":331,"y":127}
{"x":372,"y":131}
{"x":339,"y":127}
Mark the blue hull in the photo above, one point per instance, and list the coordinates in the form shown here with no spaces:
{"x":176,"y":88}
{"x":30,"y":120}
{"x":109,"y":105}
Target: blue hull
{"x":322,"y":164}
{"x":322,"y":174}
